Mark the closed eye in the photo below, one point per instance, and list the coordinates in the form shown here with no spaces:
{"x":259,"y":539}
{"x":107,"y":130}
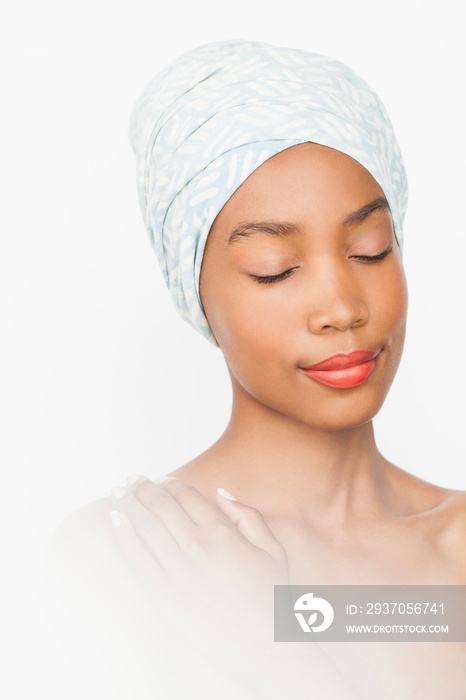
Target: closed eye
{"x":373,"y":258}
{"x":269,"y":279}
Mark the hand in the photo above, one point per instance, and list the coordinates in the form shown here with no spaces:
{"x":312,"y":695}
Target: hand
{"x":206,"y":559}
{"x":215,"y":565}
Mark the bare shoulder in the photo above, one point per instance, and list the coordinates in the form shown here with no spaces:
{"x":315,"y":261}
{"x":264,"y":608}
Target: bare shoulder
{"x":91,"y":515}
{"x":453,"y":513}
{"x":87,"y":528}
{"x":110,"y":625}
{"x":436,"y":513}
{"x":82,"y":552}
{"x":413,"y":496}
{"x":96,"y":585}
{"x":448,"y":528}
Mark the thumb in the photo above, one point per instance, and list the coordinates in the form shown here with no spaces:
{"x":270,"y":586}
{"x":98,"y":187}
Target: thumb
{"x":251,"y":524}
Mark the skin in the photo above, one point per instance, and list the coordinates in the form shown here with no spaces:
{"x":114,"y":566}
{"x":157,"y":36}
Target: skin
{"x":300,"y":457}
{"x":316,"y":501}
{"x":302,"y":453}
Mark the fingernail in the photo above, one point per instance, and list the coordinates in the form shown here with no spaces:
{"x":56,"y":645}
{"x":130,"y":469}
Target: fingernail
{"x":115,"y":517}
{"x":133,"y":479}
{"x":119,"y":492}
{"x":226,"y":494}
{"x":161,"y":478}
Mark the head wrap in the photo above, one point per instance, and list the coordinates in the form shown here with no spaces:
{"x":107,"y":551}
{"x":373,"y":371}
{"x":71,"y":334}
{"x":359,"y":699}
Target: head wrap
{"x":213,"y":116}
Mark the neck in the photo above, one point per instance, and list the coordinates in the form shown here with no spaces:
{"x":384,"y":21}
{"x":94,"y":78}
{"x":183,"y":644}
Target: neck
{"x":282,"y":466}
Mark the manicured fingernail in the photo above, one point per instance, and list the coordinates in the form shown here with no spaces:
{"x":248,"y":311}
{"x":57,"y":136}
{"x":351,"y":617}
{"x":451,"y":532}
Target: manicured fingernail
{"x":226,"y":494}
{"x":133,"y":479}
{"x":161,"y":478}
{"x":119,"y":492}
{"x":115,"y":517}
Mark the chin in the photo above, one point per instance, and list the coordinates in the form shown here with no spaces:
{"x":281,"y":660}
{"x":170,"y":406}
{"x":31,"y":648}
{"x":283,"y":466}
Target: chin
{"x":344,"y":421}
{"x":342,"y":409}
{"x":339,"y":410}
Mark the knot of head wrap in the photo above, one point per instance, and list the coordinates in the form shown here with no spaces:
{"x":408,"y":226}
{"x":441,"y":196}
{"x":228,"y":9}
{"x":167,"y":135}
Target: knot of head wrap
{"x":213,"y":116}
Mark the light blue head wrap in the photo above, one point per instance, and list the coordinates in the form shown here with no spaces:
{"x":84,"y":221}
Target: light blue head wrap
{"x":213,"y":116}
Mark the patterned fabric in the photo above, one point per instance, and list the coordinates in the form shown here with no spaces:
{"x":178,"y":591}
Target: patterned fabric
{"x":207,"y":121}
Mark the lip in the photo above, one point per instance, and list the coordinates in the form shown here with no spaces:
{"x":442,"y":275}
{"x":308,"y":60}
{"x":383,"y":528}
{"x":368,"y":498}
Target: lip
{"x":344,"y":371}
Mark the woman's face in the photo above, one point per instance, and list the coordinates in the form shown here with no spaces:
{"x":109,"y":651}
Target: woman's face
{"x":287,"y":281}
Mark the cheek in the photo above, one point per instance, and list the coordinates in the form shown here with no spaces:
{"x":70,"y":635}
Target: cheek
{"x":250,"y":330}
{"x":242,"y":313}
{"x":389,"y":314}
{"x":391,"y":305}
{"x":253,"y":333}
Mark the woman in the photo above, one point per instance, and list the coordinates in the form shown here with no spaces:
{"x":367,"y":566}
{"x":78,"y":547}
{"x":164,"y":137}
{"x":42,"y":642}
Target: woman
{"x":274,"y":193}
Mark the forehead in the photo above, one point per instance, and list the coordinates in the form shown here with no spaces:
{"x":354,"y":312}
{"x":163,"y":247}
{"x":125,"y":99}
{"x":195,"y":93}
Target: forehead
{"x":304,"y":184}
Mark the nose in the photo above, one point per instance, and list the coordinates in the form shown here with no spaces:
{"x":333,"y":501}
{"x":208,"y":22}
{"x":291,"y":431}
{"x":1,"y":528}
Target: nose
{"x":335,"y":302}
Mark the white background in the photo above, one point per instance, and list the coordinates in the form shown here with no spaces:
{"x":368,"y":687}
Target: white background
{"x":99,"y":376}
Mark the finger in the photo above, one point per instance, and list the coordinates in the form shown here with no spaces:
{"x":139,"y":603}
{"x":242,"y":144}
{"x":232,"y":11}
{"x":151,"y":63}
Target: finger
{"x":143,"y":562}
{"x":251,"y":524}
{"x":178,"y":598}
{"x":150,"y":529}
{"x":161,"y":503}
{"x":200,"y":509}
{"x":135,"y":552}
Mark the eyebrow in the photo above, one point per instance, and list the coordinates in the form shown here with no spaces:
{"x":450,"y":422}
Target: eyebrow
{"x":361,"y":214}
{"x":287,"y":229}
{"x":271,"y":227}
